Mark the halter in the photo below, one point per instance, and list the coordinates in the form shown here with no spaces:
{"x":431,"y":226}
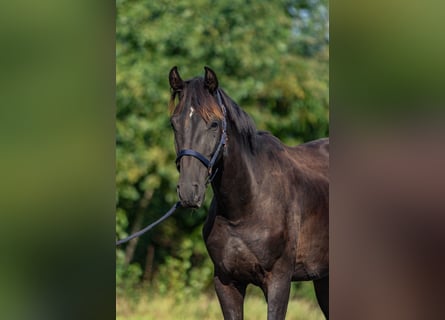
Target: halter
{"x":222,"y":142}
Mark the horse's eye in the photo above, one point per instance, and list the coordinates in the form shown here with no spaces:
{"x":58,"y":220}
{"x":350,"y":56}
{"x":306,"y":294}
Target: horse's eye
{"x":214,"y":125}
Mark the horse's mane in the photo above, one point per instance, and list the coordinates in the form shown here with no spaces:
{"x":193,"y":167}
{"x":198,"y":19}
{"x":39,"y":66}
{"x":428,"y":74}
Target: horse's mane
{"x":196,"y":94}
{"x":242,"y":122}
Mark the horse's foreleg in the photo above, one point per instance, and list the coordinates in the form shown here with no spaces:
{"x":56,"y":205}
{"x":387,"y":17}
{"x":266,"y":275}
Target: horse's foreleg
{"x":277,"y":295}
{"x":231,"y":298}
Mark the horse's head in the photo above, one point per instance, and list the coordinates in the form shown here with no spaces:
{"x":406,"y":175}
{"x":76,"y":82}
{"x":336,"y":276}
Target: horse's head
{"x":198,"y":121}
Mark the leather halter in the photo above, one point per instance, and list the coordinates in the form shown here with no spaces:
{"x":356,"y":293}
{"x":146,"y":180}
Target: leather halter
{"x":209,"y":163}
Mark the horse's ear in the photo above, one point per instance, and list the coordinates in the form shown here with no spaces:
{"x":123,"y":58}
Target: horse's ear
{"x":210,"y":80}
{"x":176,"y":82}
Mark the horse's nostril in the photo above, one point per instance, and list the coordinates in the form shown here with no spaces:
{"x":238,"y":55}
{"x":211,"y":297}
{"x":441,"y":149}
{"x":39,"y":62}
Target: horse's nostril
{"x":190,"y":194}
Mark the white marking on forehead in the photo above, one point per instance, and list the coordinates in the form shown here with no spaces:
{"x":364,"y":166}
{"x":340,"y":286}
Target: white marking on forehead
{"x":192,"y":110}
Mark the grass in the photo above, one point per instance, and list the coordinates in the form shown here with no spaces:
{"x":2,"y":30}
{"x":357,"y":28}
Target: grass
{"x":206,"y":307}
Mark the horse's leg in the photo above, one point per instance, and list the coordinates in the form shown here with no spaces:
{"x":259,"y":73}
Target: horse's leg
{"x":322,"y":292}
{"x":277,"y":296}
{"x":231,"y":298}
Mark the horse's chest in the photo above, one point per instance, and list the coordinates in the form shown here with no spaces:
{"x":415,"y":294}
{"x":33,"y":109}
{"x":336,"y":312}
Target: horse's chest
{"x":242,"y":253}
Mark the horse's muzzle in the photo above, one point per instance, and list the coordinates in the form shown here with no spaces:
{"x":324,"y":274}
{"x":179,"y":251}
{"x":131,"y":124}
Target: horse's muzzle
{"x":191,"y":195}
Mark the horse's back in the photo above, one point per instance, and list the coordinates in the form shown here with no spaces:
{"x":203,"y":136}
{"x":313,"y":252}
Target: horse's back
{"x":318,"y":148}
{"x":320,"y":145}
{"x":312,"y":157}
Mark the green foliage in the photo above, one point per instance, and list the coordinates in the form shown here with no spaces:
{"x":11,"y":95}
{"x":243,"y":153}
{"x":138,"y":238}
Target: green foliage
{"x":310,"y":25}
{"x":127,"y":277}
{"x":186,"y":271}
{"x":254,"y":48}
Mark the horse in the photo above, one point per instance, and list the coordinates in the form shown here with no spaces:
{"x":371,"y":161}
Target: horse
{"x":268,"y":220}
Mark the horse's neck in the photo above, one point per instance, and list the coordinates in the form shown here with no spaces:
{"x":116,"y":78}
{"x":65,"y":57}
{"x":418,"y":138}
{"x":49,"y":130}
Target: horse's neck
{"x":234,"y":187}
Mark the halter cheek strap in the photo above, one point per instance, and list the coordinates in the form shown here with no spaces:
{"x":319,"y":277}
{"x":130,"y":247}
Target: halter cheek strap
{"x":208,"y":163}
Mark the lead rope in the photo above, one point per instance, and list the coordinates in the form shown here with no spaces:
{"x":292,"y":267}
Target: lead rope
{"x":149,"y":227}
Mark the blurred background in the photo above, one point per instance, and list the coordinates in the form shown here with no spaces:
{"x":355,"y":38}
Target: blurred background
{"x":272,"y":58}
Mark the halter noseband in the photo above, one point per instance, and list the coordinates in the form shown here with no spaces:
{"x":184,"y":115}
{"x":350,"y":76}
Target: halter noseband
{"x":208,"y":163}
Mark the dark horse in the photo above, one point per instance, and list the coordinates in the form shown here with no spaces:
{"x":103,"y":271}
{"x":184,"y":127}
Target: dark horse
{"x":268,"y":221}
